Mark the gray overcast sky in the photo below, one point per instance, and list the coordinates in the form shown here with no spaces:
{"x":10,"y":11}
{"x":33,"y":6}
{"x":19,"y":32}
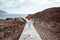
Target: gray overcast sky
{"x":27,"y":6}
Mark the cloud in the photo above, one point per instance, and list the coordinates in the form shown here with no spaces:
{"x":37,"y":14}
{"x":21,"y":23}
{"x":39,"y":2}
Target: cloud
{"x":40,"y":2}
{"x":56,"y":1}
{"x":10,"y":3}
{"x":19,"y":3}
{"x":22,"y":1}
{"x":27,"y":6}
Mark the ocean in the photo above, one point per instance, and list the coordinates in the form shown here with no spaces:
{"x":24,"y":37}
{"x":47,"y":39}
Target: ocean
{"x":4,"y":16}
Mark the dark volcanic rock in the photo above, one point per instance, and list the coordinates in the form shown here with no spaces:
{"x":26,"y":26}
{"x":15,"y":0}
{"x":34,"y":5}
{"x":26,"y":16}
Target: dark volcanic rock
{"x":47,"y":23}
{"x":11,"y":28}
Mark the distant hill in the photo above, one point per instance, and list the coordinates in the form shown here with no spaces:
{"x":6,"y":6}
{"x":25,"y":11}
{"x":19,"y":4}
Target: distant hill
{"x":2,"y":12}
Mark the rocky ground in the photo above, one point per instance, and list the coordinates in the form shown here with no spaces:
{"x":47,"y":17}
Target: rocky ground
{"x":47,"y":23}
{"x":11,"y":28}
